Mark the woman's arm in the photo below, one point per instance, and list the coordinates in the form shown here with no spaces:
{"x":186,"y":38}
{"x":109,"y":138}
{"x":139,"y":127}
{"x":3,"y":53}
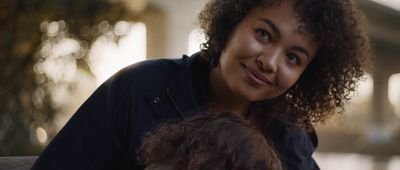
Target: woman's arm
{"x":88,"y":139}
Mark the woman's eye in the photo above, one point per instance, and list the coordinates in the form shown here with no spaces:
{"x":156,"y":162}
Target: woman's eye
{"x":263,"y":35}
{"x":293,"y":59}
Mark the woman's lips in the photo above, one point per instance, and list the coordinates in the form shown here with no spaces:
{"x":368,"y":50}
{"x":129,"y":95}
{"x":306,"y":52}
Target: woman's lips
{"x":256,"y":76}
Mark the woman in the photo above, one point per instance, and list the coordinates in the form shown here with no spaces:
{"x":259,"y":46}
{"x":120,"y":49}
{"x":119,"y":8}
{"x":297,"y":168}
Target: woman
{"x":210,"y":142}
{"x":279,"y":65}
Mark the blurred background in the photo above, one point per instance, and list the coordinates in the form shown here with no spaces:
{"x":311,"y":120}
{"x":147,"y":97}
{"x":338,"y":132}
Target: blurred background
{"x":55,"y":53}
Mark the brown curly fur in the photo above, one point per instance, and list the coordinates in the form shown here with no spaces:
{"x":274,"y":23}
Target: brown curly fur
{"x":330,"y":79}
{"x":211,"y":142}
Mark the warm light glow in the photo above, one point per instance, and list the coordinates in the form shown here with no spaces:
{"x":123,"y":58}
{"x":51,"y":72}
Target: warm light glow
{"x":365,"y":89}
{"x":136,"y":5}
{"x":394,"y":163}
{"x":394,"y":92}
{"x":346,"y":161}
{"x":351,"y":161}
{"x":64,"y":47}
{"x":107,"y":57}
{"x":394,"y":4}
{"x":41,"y":135}
{"x":122,"y":28}
{"x":196,"y":37}
{"x":58,"y":53}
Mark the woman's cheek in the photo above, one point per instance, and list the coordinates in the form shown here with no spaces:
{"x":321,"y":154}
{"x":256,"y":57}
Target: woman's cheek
{"x":286,"y":81}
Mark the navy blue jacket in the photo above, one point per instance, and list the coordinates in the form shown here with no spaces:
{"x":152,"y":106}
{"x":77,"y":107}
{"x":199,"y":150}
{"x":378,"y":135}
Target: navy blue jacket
{"x":105,"y":132}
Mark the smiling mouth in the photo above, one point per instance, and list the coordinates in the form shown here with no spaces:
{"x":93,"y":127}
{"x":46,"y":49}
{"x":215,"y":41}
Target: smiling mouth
{"x":255,"y":76}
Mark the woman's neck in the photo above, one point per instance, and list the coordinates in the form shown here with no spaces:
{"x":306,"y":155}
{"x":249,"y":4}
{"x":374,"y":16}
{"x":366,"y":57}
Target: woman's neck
{"x":221,"y":98}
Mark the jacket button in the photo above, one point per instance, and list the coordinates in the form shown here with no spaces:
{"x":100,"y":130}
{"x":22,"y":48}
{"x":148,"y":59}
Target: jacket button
{"x":156,"y":100}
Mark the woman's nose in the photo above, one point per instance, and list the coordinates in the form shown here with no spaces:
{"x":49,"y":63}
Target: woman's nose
{"x":269,"y":61}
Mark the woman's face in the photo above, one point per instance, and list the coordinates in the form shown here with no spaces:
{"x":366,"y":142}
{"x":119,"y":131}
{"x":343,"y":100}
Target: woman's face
{"x":266,"y":53}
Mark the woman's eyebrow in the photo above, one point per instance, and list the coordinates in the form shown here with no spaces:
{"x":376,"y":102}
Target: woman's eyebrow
{"x":277,"y":32}
{"x":272,"y":25}
{"x":302,"y":50}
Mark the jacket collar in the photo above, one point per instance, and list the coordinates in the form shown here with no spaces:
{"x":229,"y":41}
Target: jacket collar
{"x":181,"y":89}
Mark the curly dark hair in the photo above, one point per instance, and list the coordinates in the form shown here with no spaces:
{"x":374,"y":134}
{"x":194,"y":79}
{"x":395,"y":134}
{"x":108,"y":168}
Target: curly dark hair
{"x":208,"y":142}
{"x":330,"y":79}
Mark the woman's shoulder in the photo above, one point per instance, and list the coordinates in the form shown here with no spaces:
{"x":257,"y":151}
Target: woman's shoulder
{"x":157,"y":71}
{"x":156,"y":67}
{"x":295,"y":143}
